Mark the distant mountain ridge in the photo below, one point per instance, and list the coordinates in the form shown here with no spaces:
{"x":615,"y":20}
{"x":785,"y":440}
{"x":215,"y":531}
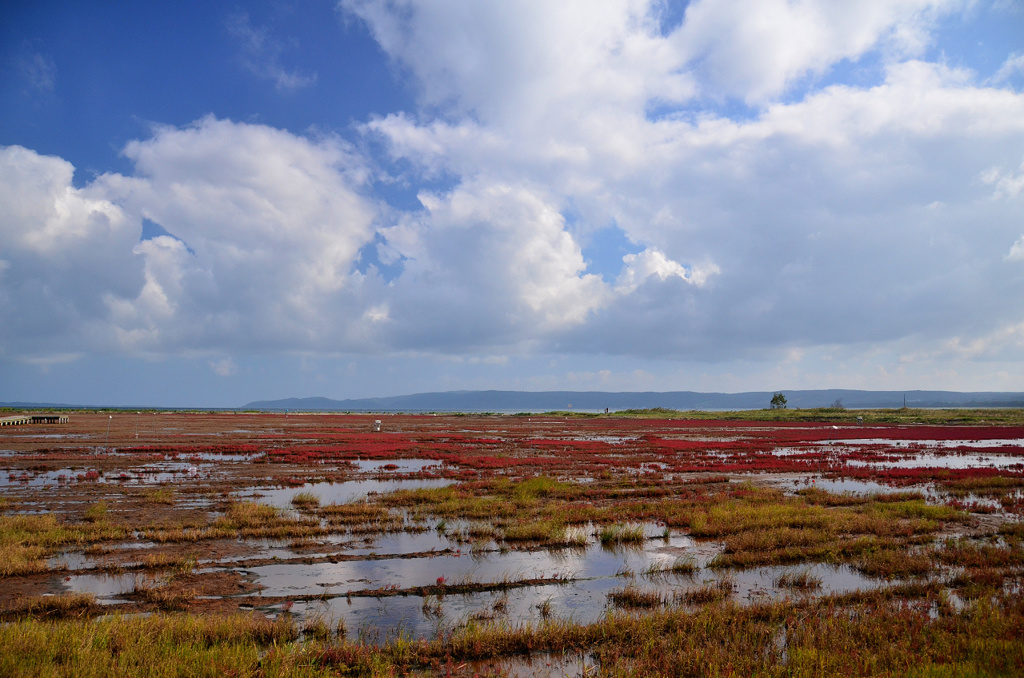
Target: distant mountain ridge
{"x":543,"y":401}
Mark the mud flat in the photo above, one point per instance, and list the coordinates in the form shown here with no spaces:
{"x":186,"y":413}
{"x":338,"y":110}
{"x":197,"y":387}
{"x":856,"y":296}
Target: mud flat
{"x":272,"y":544}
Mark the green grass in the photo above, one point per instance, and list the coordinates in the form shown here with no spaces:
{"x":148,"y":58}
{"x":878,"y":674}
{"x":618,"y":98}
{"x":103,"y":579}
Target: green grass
{"x":903,"y":415}
{"x":97,"y":512}
{"x":621,"y":534}
{"x":160,"y":645}
{"x":26,"y":540}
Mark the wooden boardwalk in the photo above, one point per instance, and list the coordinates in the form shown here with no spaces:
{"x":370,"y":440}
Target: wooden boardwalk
{"x":24,"y":419}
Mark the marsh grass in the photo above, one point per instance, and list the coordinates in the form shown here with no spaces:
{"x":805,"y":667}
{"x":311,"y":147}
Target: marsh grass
{"x":56,"y":607}
{"x":181,"y":564}
{"x":621,"y":534}
{"x":252,"y":519}
{"x":20,"y":559}
{"x":802,"y":580}
{"x":708,"y":592}
{"x":317,"y":628}
{"x":159,"y":495}
{"x":549,"y":533}
{"x":872,"y":633}
{"x":632,"y":596}
{"x":433,"y":606}
{"x":361,"y":517}
{"x":895,"y":564}
{"x":165,"y":596}
{"x":97,"y":512}
{"x":685,"y":566}
{"x":26,"y":540}
{"x":158,"y":645}
{"x":305,"y":500}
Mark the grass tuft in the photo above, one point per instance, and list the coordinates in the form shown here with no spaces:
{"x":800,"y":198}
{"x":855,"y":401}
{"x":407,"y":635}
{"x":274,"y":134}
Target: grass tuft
{"x":305,"y":500}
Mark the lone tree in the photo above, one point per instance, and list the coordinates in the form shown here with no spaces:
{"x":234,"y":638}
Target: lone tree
{"x":778,"y":401}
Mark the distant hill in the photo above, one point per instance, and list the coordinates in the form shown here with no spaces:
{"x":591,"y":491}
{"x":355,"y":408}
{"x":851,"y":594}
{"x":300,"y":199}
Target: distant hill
{"x":544,"y":401}
{"x":37,"y":406}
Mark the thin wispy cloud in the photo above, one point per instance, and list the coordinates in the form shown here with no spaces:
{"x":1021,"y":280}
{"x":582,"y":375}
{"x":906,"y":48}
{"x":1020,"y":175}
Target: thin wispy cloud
{"x":261,"y":54}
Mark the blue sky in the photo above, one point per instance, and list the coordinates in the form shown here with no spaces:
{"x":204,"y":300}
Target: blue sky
{"x":204,"y":204}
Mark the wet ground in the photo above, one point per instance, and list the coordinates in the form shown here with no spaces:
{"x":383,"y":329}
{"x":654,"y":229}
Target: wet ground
{"x":168,"y":508}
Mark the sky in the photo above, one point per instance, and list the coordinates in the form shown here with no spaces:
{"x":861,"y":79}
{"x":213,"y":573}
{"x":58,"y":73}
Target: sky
{"x":206,"y":204}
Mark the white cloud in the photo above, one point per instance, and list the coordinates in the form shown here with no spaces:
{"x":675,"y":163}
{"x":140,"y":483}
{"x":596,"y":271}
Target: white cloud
{"x":650,"y":262}
{"x":517,"y":63}
{"x":1013,"y":65}
{"x":1016,"y":252}
{"x":827,"y":221}
{"x":65,"y":248}
{"x":261,"y":55}
{"x":808,"y":210}
{"x":1007,"y":185}
{"x":493,"y":260}
{"x":40,"y":72}
{"x":756,"y":49}
{"x":225,"y":367}
{"x":274,"y":224}
{"x":1007,"y":339}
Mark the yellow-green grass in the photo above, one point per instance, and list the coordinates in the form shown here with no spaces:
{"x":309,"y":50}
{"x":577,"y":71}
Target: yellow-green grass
{"x":26,"y":540}
{"x":904,"y":415}
{"x":305,"y":500}
{"x":159,"y":495}
{"x":869,"y":635}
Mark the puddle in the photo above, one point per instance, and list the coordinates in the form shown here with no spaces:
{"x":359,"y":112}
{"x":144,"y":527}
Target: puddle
{"x":611,"y":440}
{"x":336,"y":493}
{"x":396,"y":465}
{"x":109,"y":586}
{"x":12,"y":478}
{"x":917,"y":444}
{"x":934,"y":460}
{"x":579,"y":582}
{"x":70,"y":561}
{"x":760,"y":584}
{"x":540,"y":665}
{"x":214,"y":456}
{"x":834,"y":485}
{"x":586,"y":578}
{"x":149,"y":474}
{"x":159,"y":473}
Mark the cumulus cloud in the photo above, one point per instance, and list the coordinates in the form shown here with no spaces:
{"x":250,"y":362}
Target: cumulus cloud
{"x":488,"y":263}
{"x":64,"y":248}
{"x":840,"y":216}
{"x":651,"y":262}
{"x":847,"y":197}
{"x":755,"y":49}
{"x":517,"y":63}
{"x":274,"y":225}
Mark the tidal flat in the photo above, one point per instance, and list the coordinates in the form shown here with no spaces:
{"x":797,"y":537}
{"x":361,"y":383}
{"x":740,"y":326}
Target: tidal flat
{"x":642,"y":543}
